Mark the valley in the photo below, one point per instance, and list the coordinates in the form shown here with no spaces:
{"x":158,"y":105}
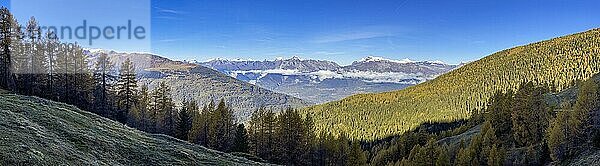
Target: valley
{"x":200,"y":84}
{"x":319,"y":81}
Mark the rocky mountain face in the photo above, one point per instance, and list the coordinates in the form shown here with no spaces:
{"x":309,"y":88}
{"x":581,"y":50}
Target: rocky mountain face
{"x":322,"y":81}
{"x":294,"y":63}
{"x":380,"y":65}
{"x":194,"y":82}
{"x":41,"y":132}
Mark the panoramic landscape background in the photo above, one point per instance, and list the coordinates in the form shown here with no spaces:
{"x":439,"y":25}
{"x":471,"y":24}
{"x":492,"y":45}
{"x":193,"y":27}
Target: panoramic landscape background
{"x":299,"y":83}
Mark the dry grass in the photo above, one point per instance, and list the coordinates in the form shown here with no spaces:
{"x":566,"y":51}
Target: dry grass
{"x":35,"y":131}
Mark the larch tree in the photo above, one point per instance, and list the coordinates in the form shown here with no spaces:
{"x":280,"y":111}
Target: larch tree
{"x":52,"y":47}
{"x":163,"y":109}
{"x":184,"y":119}
{"x":291,"y":137}
{"x":7,"y":38}
{"x":529,"y":115}
{"x":222,"y":128}
{"x":104,"y":78}
{"x":139,"y":117}
{"x":200,"y":125}
{"x":262,"y":134}
{"x":356,"y":157}
{"x":126,"y":90}
{"x":240,"y":144}
{"x":35,"y":75}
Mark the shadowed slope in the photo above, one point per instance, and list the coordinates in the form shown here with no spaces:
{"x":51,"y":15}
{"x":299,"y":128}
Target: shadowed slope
{"x":38,"y":131}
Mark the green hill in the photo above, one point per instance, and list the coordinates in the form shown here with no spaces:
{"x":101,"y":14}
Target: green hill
{"x":41,"y":132}
{"x":558,"y":62}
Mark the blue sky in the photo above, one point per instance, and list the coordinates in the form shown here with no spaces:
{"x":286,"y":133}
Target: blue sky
{"x":348,"y":30}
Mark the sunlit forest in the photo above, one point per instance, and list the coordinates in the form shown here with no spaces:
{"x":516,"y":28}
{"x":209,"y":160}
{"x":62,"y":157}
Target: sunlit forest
{"x":557,"y":63}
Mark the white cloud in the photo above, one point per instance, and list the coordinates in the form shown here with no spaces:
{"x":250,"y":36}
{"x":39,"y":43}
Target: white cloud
{"x":367,"y":32}
{"x":367,"y":76}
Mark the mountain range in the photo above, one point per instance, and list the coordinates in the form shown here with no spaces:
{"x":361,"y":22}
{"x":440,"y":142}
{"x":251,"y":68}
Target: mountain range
{"x":320,"y":81}
{"x":194,"y":82}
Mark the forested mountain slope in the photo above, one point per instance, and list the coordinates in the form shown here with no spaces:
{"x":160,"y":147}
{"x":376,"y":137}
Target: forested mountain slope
{"x":558,"y":62}
{"x":36,"y":131}
{"x":201,"y":84}
{"x":204,"y":85}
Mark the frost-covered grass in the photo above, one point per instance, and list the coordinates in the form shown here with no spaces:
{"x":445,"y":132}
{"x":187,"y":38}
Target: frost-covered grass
{"x":588,"y":157}
{"x":41,"y":132}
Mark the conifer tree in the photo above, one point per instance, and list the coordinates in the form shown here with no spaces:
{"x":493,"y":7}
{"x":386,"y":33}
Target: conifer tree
{"x":356,"y":157}
{"x":126,"y":90}
{"x":7,"y":40}
{"x":222,"y":128}
{"x":529,"y":115}
{"x":495,"y":157}
{"x":51,"y":50}
{"x":463,"y":157}
{"x":568,"y":132}
{"x":200,"y":125}
{"x":310,"y":140}
{"x":140,"y":116}
{"x":163,"y":109}
{"x":197,"y":126}
{"x":65,"y":70}
{"x":262,"y":134}
{"x":489,"y":140}
{"x":291,"y":137}
{"x":241,"y":139}
{"x":342,"y":149}
{"x":103,"y":76}
{"x":36,"y":73}
{"x":498,"y":114}
{"x":443,"y":158}
{"x":587,"y":107}
{"x":20,"y":60}
{"x":184,"y":119}
{"x":82,"y":80}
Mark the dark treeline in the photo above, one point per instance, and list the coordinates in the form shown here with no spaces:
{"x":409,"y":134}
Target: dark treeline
{"x":36,"y":64}
{"x":516,"y":128}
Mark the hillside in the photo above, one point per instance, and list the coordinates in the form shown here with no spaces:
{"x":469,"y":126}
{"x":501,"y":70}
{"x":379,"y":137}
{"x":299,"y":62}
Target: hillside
{"x":557,"y":62}
{"x":203,"y":85}
{"x":194,"y":82}
{"x":37,"y":131}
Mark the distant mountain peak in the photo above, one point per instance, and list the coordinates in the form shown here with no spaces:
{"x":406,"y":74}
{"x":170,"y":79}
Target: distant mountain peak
{"x":381,"y":59}
{"x":110,"y":51}
{"x":402,"y":61}
{"x":297,"y":58}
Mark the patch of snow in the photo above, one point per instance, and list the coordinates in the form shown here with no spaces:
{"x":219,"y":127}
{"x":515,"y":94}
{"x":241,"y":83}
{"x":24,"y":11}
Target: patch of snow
{"x":437,"y":62}
{"x":381,"y":59}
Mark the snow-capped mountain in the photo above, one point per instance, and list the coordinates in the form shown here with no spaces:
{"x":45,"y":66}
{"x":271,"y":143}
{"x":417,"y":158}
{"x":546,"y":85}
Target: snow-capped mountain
{"x":381,"y":65}
{"x":321,"y":81}
{"x":294,"y":63}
